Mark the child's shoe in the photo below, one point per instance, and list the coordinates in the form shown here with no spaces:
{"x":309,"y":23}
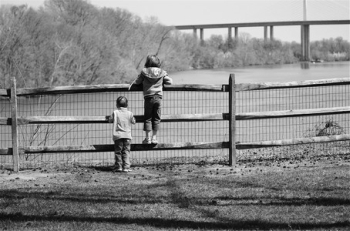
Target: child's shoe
{"x":154,"y":141}
{"x":116,"y":168}
{"x":127,"y":170}
{"x":146,"y":141}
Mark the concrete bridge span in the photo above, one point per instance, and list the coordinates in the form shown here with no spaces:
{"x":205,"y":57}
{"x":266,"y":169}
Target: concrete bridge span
{"x":304,"y":26}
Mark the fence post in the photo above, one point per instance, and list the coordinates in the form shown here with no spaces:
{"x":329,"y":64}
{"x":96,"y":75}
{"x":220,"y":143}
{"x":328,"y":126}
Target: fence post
{"x":15,"y":154}
{"x":232,"y":113}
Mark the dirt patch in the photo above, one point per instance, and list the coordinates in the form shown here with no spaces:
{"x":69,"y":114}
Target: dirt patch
{"x":97,"y":175}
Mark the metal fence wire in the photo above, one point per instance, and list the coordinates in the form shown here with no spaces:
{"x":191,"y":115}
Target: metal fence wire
{"x":180,"y":102}
{"x":101,"y":104}
{"x":289,"y":99}
{"x":5,"y":132}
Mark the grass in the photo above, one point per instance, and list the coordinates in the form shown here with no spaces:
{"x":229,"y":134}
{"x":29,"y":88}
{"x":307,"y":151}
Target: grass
{"x":285,"y":194}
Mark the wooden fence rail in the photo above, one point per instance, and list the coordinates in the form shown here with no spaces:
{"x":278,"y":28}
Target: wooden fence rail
{"x":6,"y":93}
{"x":179,"y":118}
{"x":232,"y":117}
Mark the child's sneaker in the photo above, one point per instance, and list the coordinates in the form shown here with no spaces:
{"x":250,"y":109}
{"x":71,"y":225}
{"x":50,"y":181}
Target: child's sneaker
{"x":117,"y":170}
{"x":127,"y":170}
{"x":154,"y":141}
{"x":146,"y":141}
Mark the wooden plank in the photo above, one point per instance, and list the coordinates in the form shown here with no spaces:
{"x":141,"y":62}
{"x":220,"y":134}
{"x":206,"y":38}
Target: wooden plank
{"x":194,"y":117}
{"x":6,"y":152}
{"x":14,"y":125}
{"x":193,"y":87}
{"x":5,"y":121}
{"x":183,"y":87}
{"x":4,"y":93}
{"x":232,"y":121}
{"x":178,"y":146}
{"x":134,"y":147}
{"x":110,"y":88}
{"x":62,"y":149}
{"x":62,"y":119}
{"x":292,"y":113}
{"x":180,"y":117}
{"x":104,"y":119}
{"x":296,"y":141}
{"x":295,"y":84}
{"x":73,"y":89}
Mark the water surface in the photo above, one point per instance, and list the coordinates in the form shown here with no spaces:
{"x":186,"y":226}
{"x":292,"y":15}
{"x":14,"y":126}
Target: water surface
{"x":270,"y":73}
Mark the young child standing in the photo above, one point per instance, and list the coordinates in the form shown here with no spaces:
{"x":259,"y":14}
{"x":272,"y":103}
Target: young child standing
{"x":152,"y":77}
{"x":122,"y":120}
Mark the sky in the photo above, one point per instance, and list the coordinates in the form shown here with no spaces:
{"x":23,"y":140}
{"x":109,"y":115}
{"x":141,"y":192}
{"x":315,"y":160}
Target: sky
{"x":187,"y":12}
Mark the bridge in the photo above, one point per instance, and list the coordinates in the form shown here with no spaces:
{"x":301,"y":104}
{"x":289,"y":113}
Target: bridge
{"x":304,"y":25}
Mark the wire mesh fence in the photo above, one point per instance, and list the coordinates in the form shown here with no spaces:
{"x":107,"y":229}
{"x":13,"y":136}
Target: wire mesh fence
{"x":5,"y":131}
{"x":289,"y":99}
{"x":103,"y":104}
{"x":181,"y":102}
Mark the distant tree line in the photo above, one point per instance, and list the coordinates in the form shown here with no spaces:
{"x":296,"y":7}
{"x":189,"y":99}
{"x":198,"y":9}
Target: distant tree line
{"x":73,"y":42}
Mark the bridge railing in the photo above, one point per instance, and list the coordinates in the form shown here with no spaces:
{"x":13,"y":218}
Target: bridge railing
{"x":236,"y":117}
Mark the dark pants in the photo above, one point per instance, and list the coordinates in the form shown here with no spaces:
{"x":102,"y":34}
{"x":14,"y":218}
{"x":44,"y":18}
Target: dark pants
{"x":122,"y":152}
{"x":152,"y":113}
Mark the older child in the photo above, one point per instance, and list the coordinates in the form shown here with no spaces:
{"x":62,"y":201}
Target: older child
{"x":152,"y":78}
{"x":122,"y":120}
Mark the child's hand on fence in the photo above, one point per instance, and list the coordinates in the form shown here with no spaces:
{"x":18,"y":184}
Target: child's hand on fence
{"x":109,"y":118}
{"x":131,"y":84}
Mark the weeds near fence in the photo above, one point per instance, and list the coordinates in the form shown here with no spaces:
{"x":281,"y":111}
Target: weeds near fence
{"x":41,"y":135}
{"x":328,"y":127}
{"x":325,"y":128}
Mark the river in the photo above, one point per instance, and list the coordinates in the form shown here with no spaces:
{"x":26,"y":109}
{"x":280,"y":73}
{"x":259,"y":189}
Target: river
{"x":271,"y":73}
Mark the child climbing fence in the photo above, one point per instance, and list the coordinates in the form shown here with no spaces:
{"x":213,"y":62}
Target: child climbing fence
{"x":68,"y":125}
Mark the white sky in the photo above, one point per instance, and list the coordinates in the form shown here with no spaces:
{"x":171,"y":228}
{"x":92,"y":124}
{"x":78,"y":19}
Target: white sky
{"x":186,"y":12}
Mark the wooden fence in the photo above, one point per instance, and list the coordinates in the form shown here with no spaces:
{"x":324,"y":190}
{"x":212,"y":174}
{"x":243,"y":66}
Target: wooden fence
{"x":15,"y":121}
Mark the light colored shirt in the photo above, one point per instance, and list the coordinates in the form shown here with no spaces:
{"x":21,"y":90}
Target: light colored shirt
{"x":122,"y":120}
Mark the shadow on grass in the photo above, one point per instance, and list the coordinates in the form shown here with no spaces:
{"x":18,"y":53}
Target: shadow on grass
{"x":176,"y":197}
{"x":294,"y":201}
{"x":81,"y":197}
{"x":174,"y":223}
{"x":102,"y":168}
{"x":179,"y":198}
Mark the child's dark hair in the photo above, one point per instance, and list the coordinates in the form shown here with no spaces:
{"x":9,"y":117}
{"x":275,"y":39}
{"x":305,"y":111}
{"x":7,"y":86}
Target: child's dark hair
{"x":152,"y":61}
{"x":122,"y":101}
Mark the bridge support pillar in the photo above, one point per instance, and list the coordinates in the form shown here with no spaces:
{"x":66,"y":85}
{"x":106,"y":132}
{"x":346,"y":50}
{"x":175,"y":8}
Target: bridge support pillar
{"x":195,"y":32}
{"x":266,"y":33}
{"x":271,"y":33}
{"x":201,"y":35}
{"x":230,"y":33}
{"x":305,"y":42}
